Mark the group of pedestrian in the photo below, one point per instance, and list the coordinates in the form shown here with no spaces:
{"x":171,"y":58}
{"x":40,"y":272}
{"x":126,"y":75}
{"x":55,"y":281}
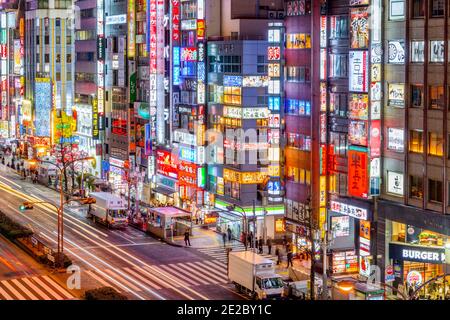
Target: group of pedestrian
{"x":227,"y":235}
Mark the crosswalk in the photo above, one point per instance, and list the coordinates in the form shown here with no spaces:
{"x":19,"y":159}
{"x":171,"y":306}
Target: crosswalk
{"x":33,"y":288}
{"x":157,"y":277}
{"x":220,"y":252}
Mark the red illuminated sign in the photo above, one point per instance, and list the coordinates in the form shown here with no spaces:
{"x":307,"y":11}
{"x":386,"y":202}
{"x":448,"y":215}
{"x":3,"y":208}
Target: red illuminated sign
{"x":357,"y":173}
{"x":166,"y":164}
{"x":189,"y":54}
{"x":175,"y":20}
{"x":375,"y":138}
{"x":187,"y":174}
{"x":153,"y":39}
{"x":274,"y":53}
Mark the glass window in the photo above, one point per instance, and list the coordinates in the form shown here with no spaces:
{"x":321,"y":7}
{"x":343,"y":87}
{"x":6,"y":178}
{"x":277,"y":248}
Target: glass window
{"x":435,"y":144}
{"x":417,"y":51}
{"x":417,"y":95}
{"x":437,"y":8}
{"x":418,"y":8}
{"x":416,"y":187}
{"x":396,"y":9}
{"x":436,"y":97}
{"x":434,"y":190}
{"x":437,"y":51}
{"x":416,"y":141}
{"x":339,"y":27}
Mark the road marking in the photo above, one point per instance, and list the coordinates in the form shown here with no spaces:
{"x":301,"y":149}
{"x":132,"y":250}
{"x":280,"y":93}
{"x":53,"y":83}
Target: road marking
{"x":24,"y":290}
{"x":49,"y":290}
{"x":58,"y":287}
{"x":185,"y":279}
{"x":212,"y":276}
{"x":36,"y":289}
{"x":5,"y":294}
{"x":102,"y":281}
{"x":219,"y":266}
{"x":186,"y":273}
{"x":114,"y":275}
{"x":13,"y":290}
{"x":154,"y":285}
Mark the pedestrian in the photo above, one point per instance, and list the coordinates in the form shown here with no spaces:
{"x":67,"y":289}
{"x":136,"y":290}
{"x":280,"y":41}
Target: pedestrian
{"x":230,"y":235}
{"x":260,"y":245}
{"x":250,"y":239}
{"x":224,"y":238}
{"x":284,"y":240}
{"x":278,"y":254}
{"x":289,"y":258}
{"x":269,"y":246}
{"x":186,"y":238}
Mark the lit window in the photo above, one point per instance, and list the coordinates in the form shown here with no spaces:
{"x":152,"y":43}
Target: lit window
{"x":416,"y":141}
{"x":435,"y":144}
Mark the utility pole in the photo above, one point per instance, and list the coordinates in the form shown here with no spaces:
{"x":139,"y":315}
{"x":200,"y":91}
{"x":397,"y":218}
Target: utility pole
{"x":254,"y":225}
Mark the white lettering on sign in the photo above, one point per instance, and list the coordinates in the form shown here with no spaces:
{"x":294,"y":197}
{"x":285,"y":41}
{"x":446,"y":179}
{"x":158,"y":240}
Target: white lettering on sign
{"x":348,"y":210}
{"x":422,"y":255}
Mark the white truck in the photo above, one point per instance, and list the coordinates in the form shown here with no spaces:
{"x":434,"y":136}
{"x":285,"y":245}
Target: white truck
{"x":254,"y":275}
{"x":108,"y":209}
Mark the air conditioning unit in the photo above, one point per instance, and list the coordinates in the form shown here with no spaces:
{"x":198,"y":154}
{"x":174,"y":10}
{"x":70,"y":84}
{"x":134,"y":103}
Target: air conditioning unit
{"x":272,"y":15}
{"x":280,"y":15}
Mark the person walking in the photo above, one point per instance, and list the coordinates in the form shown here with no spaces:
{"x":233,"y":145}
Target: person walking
{"x":230,"y":235}
{"x":289,"y":258}
{"x":224,"y":238}
{"x":260,"y":245}
{"x":250,"y":239}
{"x":278,"y":254}
{"x":186,"y":238}
{"x":269,"y":246}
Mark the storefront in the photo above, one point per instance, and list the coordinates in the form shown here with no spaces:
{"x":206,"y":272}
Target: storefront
{"x":270,"y":219}
{"x":351,"y":231}
{"x":117,"y":176}
{"x":417,"y":255}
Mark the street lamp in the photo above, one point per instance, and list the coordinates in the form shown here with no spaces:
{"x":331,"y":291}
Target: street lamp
{"x":244,"y":220}
{"x":60,"y":210}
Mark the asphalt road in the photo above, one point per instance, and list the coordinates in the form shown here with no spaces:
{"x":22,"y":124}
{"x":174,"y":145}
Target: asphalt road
{"x":128,"y":260}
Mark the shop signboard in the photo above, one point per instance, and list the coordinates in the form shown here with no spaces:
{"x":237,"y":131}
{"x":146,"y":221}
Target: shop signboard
{"x":414,"y":278}
{"x":396,"y":52}
{"x":416,"y":253}
{"x":389,"y":274}
{"x":358,"y":75}
{"x":349,"y":210}
{"x":357,"y":132}
{"x":375,"y":138}
{"x":395,"y":137}
{"x":43,"y":106}
{"x":395,"y":183}
{"x":359,"y":106}
{"x":166,"y":164}
{"x":358,"y":173}
{"x":396,"y":94}
{"x":359,"y":28}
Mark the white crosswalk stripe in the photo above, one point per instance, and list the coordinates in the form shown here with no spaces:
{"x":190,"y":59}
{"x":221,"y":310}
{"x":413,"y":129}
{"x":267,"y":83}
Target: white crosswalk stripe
{"x":176,"y":275}
{"x":33,"y":288}
{"x":219,"y":253}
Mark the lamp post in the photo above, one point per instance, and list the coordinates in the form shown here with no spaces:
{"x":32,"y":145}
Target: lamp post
{"x":60,"y":210}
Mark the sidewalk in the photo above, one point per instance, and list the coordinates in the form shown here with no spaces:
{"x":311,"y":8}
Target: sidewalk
{"x":203,"y":238}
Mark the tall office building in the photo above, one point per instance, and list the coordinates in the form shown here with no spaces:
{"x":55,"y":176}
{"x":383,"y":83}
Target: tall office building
{"x":413,"y":221}
{"x":49,"y":71}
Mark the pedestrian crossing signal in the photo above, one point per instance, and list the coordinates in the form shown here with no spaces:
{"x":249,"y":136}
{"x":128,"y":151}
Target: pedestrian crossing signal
{"x":26,"y":206}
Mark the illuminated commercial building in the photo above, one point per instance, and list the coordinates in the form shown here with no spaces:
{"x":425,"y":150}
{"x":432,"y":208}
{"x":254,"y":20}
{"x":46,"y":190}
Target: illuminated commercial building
{"x":49,"y":71}
{"x":413,"y":220}
{"x":89,"y":48}
{"x":12,"y":40}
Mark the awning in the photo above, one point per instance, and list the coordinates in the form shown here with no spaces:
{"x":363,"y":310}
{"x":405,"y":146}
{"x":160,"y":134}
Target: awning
{"x":164,"y":191}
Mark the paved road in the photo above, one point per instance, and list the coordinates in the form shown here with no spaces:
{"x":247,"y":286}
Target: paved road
{"x":129,"y":260}
{"x":22,"y":278}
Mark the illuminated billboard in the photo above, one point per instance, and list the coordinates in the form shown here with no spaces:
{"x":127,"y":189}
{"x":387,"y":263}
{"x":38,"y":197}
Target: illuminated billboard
{"x":43,"y":104}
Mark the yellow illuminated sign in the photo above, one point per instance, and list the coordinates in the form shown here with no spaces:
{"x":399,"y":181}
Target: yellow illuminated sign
{"x":244,"y":177}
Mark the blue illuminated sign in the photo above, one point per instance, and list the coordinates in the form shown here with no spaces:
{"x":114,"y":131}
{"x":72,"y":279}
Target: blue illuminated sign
{"x":43,"y":103}
{"x":176,"y":66}
{"x":232,"y":81}
{"x":274,"y":103}
{"x":187,"y":154}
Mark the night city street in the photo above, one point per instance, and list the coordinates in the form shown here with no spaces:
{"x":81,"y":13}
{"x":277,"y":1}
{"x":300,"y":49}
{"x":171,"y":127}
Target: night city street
{"x":224,"y":158}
